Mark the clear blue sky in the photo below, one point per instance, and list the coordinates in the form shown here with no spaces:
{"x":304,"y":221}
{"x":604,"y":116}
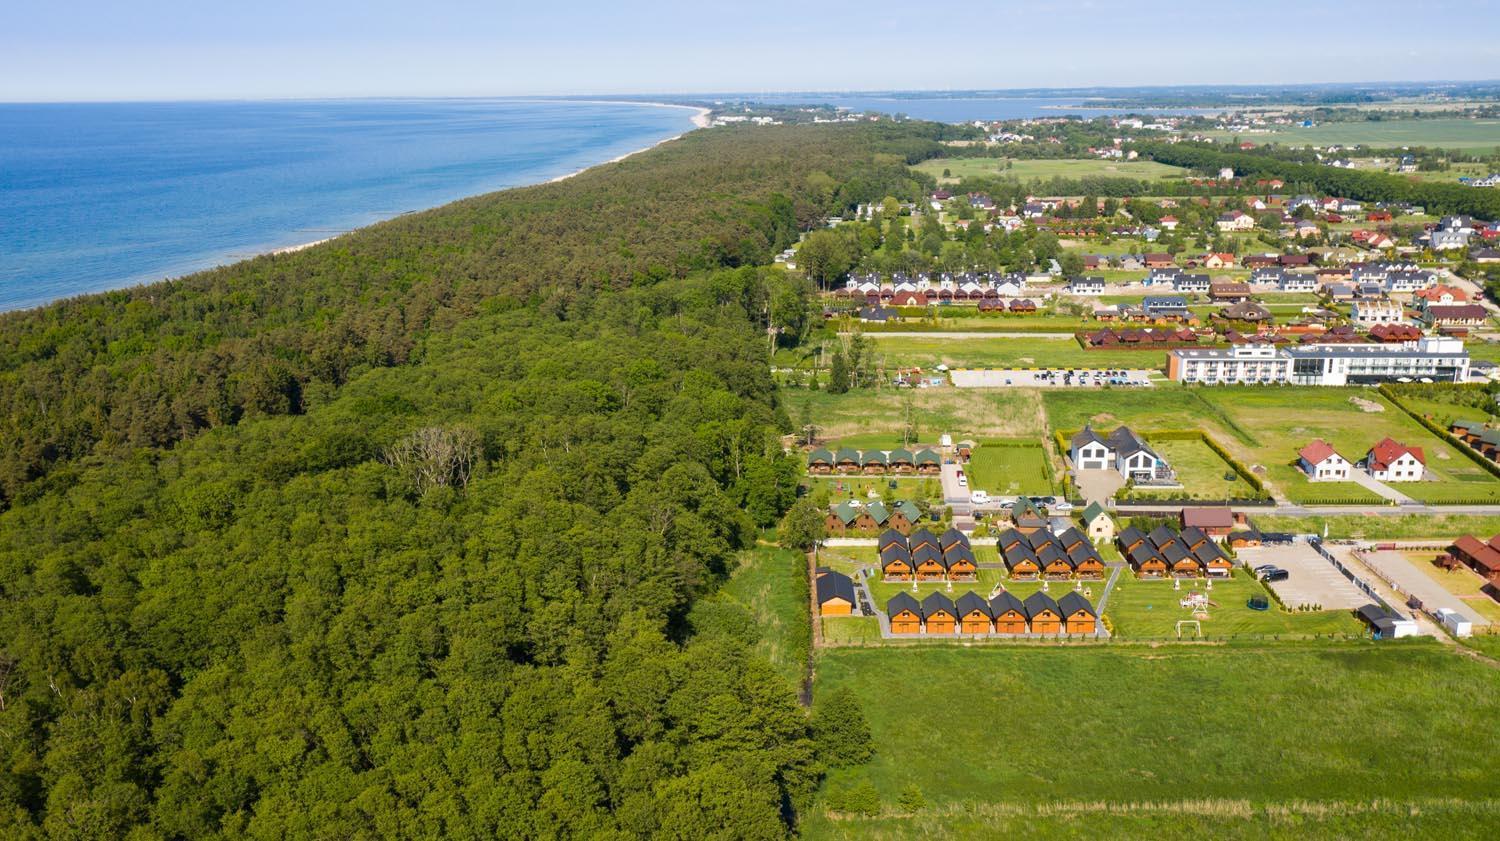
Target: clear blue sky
{"x":165,"y":49}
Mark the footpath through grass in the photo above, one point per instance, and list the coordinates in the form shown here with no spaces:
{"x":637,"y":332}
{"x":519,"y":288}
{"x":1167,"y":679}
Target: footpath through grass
{"x":1306,"y":731}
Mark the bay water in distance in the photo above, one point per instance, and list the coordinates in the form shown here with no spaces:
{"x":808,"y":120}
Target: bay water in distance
{"x":97,"y":196}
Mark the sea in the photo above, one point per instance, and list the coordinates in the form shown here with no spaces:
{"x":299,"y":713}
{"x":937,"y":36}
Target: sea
{"x":101,"y":196}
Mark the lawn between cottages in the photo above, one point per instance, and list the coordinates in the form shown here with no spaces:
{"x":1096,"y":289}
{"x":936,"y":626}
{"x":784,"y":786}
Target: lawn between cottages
{"x":1136,"y":610}
{"x":1250,"y":741}
{"x":1008,"y":467}
{"x":1265,"y":426}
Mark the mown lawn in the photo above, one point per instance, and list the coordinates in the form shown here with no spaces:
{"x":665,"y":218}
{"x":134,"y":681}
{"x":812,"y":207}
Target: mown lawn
{"x":861,"y":488}
{"x":1152,"y":609}
{"x":1002,"y":468}
{"x":1200,"y":470}
{"x":1239,"y":735}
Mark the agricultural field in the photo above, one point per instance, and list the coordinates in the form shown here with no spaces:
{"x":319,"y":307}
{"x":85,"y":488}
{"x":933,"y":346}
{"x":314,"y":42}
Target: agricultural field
{"x":1004,"y":352}
{"x":1003,"y":467}
{"x":1444,"y":132}
{"x":1275,"y":740}
{"x":1034,"y":169}
{"x":965,"y":413}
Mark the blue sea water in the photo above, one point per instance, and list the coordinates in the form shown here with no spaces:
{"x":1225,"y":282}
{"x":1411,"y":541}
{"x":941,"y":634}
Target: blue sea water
{"x":104,"y":195}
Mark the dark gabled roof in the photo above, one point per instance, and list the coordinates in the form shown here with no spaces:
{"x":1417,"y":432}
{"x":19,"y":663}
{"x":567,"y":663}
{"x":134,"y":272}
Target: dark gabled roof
{"x":935,"y":602}
{"x":878,"y":512}
{"x":1040,"y":538}
{"x":972,"y":601}
{"x":1087,"y":436}
{"x":846,"y":454}
{"x":959,"y":552}
{"x":1038,"y":602}
{"x":952,"y":537}
{"x":899,"y":455}
{"x":891,"y":537}
{"x":1143,"y":553}
{"x":873,"y":457}
{"x":1131,"y":534}
{"x":909,"y":510}
{"x":1010,"y":537}
{"x":927,"y":457}
{"x":1209,"y":552}
{"x":927,"y":552}
{"x":1072,"y":602}
{"x":1051,"y":553}
{"x":1023,"y":506}
{"x":1071,"y":537}
{"x":1126,"y":443}
{"x":1083,"y":552}
{"x":1174,"y":551}
{"x":1377,"y":615}
{"x":1192,"y":536}
{"x":1161,"y":535}
{"x":900,"y":602}
{"x":835,"y":585}
{"x":1018,"y":553}
{"x":820,"y":456}
{"x":921,"y":536}
{"x":894,"y":553}
{"x":1004,"y":602}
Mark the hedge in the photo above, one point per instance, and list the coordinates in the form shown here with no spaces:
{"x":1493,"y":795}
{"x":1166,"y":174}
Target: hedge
{"x":1473,"y":454}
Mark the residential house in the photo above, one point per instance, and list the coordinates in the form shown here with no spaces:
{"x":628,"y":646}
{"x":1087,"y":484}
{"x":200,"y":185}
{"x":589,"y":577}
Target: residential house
{"x":974,"y":614}
{"x":1189,"y":284}
{"x":905,"y":614}
{"x":1322,"y":463}
{"x":1042,"y":614}
{"x":835,"y":592}
{"x":1159,"y":261}
{"x":1392,"y":461}
{"x":1229,"y":291}
{"x":1483,"y":558}
{"x":1373,"y":312}
{"x":1097,"y":522}
{"x":1246,"y":311}
{"x":939,"y":616}
{"x":1008,"y":613}
{"x":1086,"y":286}
{"x":1213,"y":521}
{"x":1235,"y":220}
{"x":1167,"y":307}
{"x":1453,"y":315}
{"x":1122,"y":450}
{"x":1078,"y":615}
{"x":1441,"y":294}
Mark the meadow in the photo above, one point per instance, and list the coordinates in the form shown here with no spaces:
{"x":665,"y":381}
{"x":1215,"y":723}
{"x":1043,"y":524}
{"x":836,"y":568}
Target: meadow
{"x":1444,"y":132}
{"x":1333,"y":735}
{"x":1004,"y":352}
{"x":766,"y":596}
{"x":1041,"y":169}
{"x":965,"y":413}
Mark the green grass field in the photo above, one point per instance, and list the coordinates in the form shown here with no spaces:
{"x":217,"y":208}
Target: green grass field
{"x":1384,"y":526}
{"x":861,"y":488}
{"x":767,"y":596}
{"x":1307,"y":739}
{"x":964,"y":413}
{"x":1033,"y":170}
{"x":1152,"y":609}
{"x":1201,"y":471}
{"x":1005,"y":352}
{"x":1267,"y":426}
{"x":1444,"y":132}
{"x":1008,"y":470}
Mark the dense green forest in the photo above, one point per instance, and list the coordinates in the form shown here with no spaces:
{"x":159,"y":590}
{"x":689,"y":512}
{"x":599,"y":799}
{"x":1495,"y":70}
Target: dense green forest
{"x":399,"y":536}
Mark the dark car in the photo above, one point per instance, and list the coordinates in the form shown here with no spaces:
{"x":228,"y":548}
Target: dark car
{"x":1275,"y":575}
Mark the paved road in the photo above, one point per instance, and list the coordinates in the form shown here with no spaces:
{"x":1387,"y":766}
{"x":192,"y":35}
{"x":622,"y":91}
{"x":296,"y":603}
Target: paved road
{"x":955,"y":495}
{"x":1404,"y":577}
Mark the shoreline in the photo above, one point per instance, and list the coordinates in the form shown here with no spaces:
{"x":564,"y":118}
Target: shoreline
{"x":699,"y":120}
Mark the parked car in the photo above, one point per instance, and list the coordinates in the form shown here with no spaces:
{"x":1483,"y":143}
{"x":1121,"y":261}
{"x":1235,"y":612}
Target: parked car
{"x":1061,"y":505}
{"x":963,"y":481}
{"x":1275,"y":575}
{"x":980,"y":497}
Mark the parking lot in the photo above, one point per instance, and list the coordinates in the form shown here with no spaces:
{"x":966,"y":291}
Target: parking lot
{"x":1049,"y":377}
{"x":1311,"y":579}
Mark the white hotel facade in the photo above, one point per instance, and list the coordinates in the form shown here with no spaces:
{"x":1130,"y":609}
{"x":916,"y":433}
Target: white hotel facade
{"x":1437,"y":359}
